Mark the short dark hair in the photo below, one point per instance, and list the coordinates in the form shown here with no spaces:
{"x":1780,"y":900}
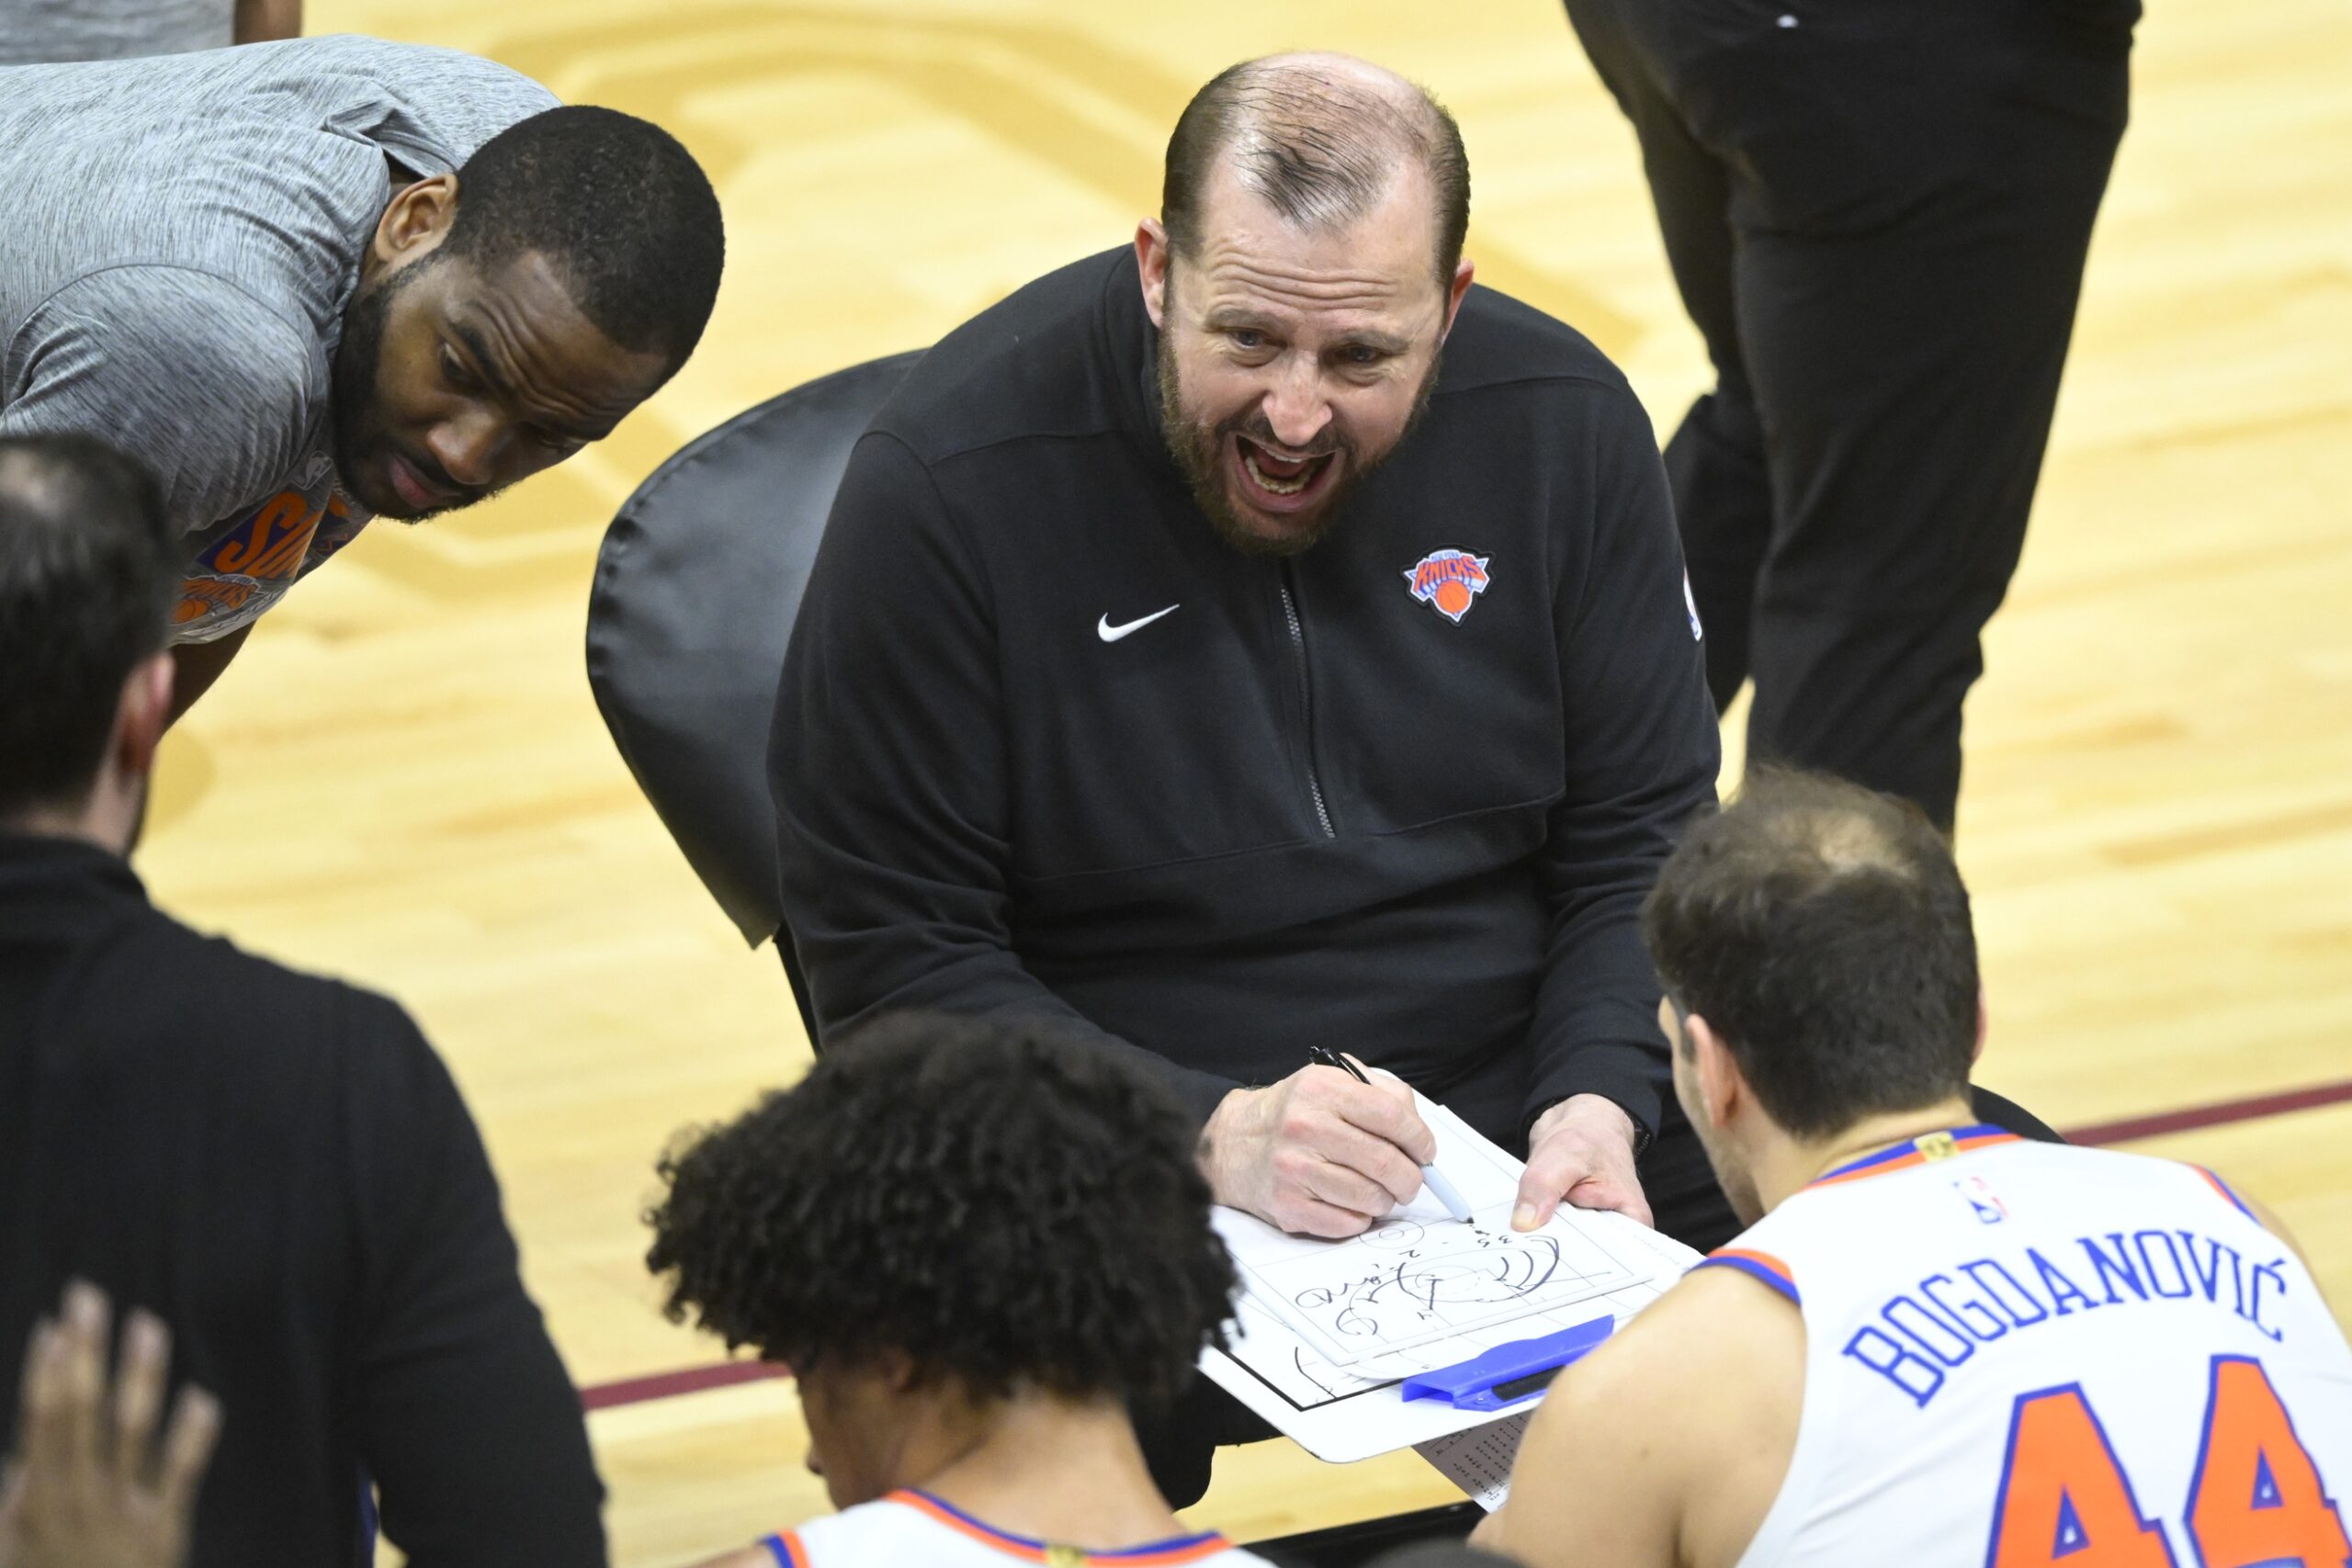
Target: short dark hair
{"x":1822,"y":932}
{"x":1318,"y":148}
{"x":617,"y":204}
{"x":88,"y":568}
{"x":1002,"y":1201}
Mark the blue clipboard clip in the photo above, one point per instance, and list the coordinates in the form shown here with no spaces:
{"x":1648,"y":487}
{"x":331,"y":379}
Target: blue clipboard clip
{"x":1510,"y":1373}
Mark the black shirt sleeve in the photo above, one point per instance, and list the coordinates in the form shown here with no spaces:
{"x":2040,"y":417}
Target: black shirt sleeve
{"x":1643,"y":752}
{"x":887,"y":765}
{"x":468,"y":1423}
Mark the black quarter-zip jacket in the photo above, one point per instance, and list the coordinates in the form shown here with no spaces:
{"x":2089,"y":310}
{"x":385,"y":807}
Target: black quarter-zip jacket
{"x":1045,"y":742}
{"x":280,"y":1168}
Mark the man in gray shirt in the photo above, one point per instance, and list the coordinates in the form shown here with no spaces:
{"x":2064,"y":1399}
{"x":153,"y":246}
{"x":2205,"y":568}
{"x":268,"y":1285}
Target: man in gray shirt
{"x":316,"y":282}
{"x":34,"y":32}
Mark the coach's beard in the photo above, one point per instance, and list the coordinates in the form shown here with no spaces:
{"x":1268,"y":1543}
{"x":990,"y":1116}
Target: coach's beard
{"x":1199,"y":449}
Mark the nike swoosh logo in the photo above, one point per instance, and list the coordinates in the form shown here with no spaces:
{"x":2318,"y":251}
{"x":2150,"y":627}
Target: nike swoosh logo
{"x":1109,"y":633}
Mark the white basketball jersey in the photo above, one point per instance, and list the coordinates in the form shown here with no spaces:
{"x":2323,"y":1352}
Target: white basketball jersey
{"x":2028,"y":1354}
{"x":918,"y":1530}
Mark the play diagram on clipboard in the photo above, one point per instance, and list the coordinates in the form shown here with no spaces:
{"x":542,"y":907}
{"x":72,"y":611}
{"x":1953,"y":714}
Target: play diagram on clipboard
{"x":1325,"y":1331}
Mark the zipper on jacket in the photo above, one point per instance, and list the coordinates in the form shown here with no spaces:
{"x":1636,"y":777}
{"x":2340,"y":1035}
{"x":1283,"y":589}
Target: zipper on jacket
{"x":1305,"y":701}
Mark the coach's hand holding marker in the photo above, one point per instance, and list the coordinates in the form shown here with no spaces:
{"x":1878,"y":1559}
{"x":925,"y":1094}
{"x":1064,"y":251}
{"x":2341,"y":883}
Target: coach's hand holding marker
{"x":1318,"y":1154}
{"x":1432,"y":1178}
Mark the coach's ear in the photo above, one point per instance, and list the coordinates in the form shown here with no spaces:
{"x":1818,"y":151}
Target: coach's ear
{"x":1151,"y":267}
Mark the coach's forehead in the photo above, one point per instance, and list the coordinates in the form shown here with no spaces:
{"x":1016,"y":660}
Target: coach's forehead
{"x":1375,"y":265}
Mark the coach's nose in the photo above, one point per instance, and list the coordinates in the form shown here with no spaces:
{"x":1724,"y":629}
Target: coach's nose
{"x":1296,"y":409}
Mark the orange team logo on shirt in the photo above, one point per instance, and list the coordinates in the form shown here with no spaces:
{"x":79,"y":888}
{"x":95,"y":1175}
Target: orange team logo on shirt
{"x":263,"y":553}
{"x":1449,"y":582}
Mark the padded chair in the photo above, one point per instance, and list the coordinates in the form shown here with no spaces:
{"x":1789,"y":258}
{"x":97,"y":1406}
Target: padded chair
{"x":698,"y":583}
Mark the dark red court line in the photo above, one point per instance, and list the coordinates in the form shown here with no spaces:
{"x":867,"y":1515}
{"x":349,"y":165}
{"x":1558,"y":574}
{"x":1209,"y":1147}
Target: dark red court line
{"x":2218,"y":1113}
{"x":668,"y":1385}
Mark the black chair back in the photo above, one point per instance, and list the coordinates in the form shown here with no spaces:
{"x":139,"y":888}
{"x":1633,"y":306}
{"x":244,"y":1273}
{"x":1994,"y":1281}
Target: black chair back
{"x":698,"y":583}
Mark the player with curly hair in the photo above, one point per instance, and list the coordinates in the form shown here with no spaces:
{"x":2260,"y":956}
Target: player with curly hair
{"x":976,"y":1242}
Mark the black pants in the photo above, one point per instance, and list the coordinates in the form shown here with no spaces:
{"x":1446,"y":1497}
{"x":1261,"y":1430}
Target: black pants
{"x":1180,"y":1442}
{"x":1876,"y":212}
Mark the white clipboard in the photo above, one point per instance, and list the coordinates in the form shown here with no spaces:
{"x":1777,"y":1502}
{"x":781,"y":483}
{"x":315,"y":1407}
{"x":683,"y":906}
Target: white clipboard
{"x":1344,"y":1413}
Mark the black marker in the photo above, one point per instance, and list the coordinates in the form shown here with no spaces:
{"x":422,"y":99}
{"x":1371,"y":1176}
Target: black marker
{"x":1443,"y":1189}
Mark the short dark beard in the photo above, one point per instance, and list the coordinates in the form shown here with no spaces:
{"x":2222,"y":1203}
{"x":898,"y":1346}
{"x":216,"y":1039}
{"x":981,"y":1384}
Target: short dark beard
{"x":1199,"y":450}
{"x":358,"y":423}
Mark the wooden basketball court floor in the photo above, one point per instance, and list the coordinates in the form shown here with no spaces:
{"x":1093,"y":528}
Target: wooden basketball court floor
{"x":405,"y":780}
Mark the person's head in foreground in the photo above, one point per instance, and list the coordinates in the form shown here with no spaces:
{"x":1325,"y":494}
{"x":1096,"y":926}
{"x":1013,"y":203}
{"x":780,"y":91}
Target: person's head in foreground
{"x":1304,"y":273}
{"x":511,"y":314}
{"x":88,"y":569}
{"x":975,"y":1242}
{"x":1820,"y":971}
{"x":1997,"y":1351}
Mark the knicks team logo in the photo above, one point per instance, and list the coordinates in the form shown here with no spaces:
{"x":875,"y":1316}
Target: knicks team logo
{"x":1449,"y":582}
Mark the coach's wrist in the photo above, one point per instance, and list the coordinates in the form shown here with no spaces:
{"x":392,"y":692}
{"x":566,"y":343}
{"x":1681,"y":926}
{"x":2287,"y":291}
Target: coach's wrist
{"x":1595,"y":1114}
{"x":1216,"y":1150}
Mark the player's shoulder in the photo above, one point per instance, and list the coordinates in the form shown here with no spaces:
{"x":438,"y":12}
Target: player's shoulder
{"x":1698,"y":1384}
{"x":1713,"y":1323}
{"x":1037,"y":362}
{"x":1498,"y":341}
{"x":1717,"y":1341}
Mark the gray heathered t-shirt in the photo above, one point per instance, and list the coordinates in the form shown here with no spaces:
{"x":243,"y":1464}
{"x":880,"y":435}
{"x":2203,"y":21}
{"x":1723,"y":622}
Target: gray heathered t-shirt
{"x":34,"y":30}
{"x":181,"y":237}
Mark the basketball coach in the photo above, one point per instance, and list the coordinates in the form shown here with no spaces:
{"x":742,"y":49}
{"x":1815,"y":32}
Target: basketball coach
{"x":1259,"y":639}
{"x":1194,"y":647}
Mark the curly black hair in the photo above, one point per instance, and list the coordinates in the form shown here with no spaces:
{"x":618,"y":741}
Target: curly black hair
{"x":1001,"y":1201}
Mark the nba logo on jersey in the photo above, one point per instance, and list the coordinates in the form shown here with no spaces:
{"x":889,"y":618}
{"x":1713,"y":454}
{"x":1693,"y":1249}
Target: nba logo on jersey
{"x":1981,"y":1197}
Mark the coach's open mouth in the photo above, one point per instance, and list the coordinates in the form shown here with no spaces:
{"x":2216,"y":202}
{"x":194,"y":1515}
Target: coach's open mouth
{"x":1274,"y":481}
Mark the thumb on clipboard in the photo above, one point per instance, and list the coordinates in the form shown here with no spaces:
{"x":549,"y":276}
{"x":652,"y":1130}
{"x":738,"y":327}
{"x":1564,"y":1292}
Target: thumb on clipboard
{"x":1580,"y":1151}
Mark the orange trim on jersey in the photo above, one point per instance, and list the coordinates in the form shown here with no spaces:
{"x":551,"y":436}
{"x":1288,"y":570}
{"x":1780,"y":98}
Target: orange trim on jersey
{"x":796,"y":1554}
{"x":1909,"y":1158}
{"x":2218,"y":1185}
{"x":1759,"y":1266}
{"x":1762,"y":1259}
{"x":1190,"y":1551}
